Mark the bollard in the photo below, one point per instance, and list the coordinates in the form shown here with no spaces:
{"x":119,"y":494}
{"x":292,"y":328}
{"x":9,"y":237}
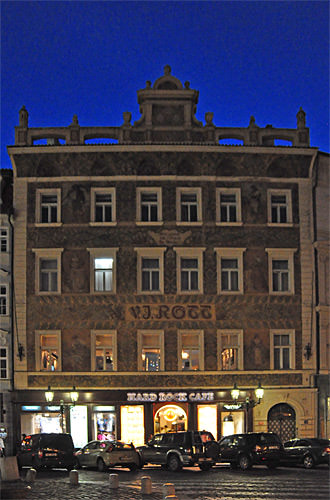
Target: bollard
{"x":114,"y":481}
{"x":74,"y":477}
{"x":146,"y":485}
{"x":31,"y":475}
{"x":168,"y":489}
{"x":171,"y":497}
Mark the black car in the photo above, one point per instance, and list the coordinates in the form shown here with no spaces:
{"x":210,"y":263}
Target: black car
{"x":253,"y":448}
{"x":173,"y":450}
{"x":47,"y":450}
{"x":307,"y":451}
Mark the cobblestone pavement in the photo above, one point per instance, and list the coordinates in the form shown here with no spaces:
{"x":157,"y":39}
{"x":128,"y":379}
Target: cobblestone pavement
{"x":190,"y":484}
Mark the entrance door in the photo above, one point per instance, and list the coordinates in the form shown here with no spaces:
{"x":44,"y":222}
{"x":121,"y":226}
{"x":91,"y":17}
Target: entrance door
{"x":170,"y":418}
{"x":282,"y":420}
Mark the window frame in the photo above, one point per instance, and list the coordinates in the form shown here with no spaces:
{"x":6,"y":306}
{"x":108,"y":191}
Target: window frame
{"x":110,"y":253}
{"x":240,"y":347}
{"x":229,"y":190}
{"x":113,"y":334}
{"x":103,"y":190}
{"x":161,"y":346}
{"x":230,"y":253}
{"x":139,"y":192}
{"x":4,"y":296}
{"x":38,"y":335}
{"x":187,"y":190}
{"x":4,"y":239}
{"x":292,"y":348}
{"x":6,"y":358}
{"x":200,"y":334}
{"x":48,"y":254}
{"x":39,"y":194}
{"x":288,"y":194}
{"x":281,"y":254}
{"x":151,"y":253}
{"x":190,"y":253}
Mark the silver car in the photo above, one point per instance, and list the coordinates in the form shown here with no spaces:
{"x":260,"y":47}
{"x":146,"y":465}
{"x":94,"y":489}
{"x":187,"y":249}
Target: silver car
{"x":108,"y":454}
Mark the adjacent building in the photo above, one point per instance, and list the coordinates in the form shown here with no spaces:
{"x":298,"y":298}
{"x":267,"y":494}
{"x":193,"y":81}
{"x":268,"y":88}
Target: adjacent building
{"x":161,"y":269}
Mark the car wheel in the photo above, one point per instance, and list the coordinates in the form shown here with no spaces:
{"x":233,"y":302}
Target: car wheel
{"x":173,"y":463}
{"x":205,"y":467}
{"x":132,"y":467}
{"x":309,"y":462}
{"x":245,"y":462}
{"x":233,"y":465}
{"x":101,"y":467}
{"x":35,"y":465}
{"x":272,"y":465}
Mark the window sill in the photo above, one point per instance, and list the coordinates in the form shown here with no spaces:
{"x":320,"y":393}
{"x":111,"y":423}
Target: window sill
{"x":238,"y":223}
{"x":97,"y":224}
{"x":149,"y":223}
{"x":48,"y":224}
{"x":280,"y":224}
{"x":187,"y":223}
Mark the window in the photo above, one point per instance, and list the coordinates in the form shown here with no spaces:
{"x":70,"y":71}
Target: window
{"x":150,"y":269}
{"x":103,"y":270}
{"x":191,"y":350}
{"x":3,"y":362}
{"x":3,"y":239}
{"x":228,"y":206}
{"x":49,"y":351}
{"x":279,"y":207}
{"x":230,"y":270}
{"x":48,"y":206}
{"x":3,"y":300}
{"x":281,"y":270}
{"x":189,"y":206}
{"x":104,"y":350}
{"x":149,"y":205}
{"x":282,"y":349}
{"x":103,"y":206}
{"x":189,"y":269}
{"x":151,"y":350}
{"x":230,"y":349}
{"x":48,"y":270}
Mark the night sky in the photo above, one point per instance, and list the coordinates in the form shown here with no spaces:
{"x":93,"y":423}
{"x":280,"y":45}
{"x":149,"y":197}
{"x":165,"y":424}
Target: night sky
{"x":261,"y":58}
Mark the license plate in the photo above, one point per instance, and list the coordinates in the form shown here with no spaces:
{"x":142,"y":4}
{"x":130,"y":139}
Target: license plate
{"x":205,"y":460}
{"x":273,"y":447}
{"x":50,"y":454}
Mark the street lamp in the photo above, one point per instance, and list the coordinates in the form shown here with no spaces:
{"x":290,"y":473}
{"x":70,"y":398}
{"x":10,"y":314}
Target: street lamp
{"x":74,"y":396}
{"x":249,"y":403}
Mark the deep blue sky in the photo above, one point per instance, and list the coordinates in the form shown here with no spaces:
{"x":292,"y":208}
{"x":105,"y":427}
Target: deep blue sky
{"x":261,"y":58}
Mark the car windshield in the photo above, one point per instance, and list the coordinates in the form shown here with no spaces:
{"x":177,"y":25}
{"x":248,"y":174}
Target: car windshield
{"x":59,"y":441}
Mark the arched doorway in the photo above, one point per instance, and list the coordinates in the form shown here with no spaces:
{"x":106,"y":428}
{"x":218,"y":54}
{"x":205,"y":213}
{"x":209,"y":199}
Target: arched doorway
{"x":170,"y":418}
{"x":282,"y":420}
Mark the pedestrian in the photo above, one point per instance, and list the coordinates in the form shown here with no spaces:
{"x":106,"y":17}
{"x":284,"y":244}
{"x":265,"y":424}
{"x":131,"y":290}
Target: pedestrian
{"x":2,"y":447}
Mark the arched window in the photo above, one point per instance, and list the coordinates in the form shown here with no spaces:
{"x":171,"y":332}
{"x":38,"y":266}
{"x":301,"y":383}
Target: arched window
{"x":282,"y":420}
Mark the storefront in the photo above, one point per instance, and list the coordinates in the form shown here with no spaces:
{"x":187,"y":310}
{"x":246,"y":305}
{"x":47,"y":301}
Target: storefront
{"x":133,"y":416}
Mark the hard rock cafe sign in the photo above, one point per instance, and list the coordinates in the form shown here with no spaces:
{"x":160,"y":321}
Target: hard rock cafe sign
{"x":154,"y":397}
{"x":170,"y":311}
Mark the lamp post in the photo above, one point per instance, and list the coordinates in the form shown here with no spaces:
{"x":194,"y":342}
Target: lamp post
{"x":74,"y":396}
{"x":249,"y":403}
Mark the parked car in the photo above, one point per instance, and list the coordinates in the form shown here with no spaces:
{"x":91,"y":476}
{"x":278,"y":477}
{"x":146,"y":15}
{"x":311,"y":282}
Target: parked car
{"x":47,"y":450}
{"x":174,"y":450}
{"x":105,"y":454}
{"x":308,"y":452}
{"x":253,"y":448}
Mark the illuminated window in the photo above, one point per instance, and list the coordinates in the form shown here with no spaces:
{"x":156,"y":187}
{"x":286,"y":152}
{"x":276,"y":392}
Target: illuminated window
{"x":104,"y":349}
{"x":151,"y":350}
{"x":230,"y":270}
{"x":282,"y":349}
{"x":48,"y":206}
{"x":49,"y":349}
{"x":103,"y":270}
{"x":3,"y":362}
{"x":191,"y":350}
{"x":48,"y":270}
{"x":189,"y":269}
{"x":3,"y":300}
{"x":189,"y":206}
{"x":149,"y":205}
{"x":103,"y":206}
{"x":150,"y":269}
{"x":281,"y":270}
{"x":230,"y":346}
{"x":228,"y":206}
{"x":3,"y":239}
{"x":279,"y":207}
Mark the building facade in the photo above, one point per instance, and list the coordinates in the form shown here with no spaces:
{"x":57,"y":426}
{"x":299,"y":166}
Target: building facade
{"x":154,"y":273}
{"x":6,"y":318}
